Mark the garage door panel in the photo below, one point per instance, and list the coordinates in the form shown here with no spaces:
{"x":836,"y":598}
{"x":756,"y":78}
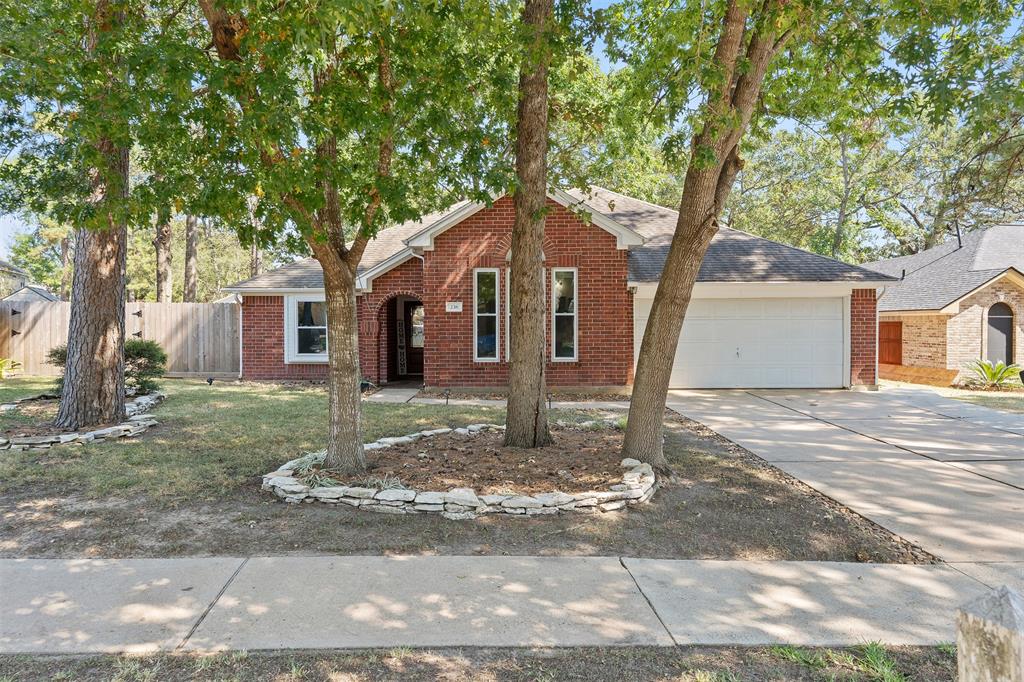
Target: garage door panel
{"x":698,"y":330}
{"x":781,"y":343}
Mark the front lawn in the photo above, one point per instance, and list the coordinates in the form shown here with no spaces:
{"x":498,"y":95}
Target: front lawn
{"x":15,"y":388}
{"x":190,"y":486}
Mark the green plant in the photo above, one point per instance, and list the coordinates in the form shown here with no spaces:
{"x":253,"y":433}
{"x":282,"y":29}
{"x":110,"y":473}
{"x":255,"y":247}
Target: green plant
{"x":145,"y":361}
{"x":875,"y":662}
{"x":993,"y":375}
{"x":808,"y":659}
{"x":8,"y":365}
{"x":385,"y":482}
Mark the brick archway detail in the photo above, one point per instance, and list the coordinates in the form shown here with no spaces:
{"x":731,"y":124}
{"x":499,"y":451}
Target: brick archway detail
{"x":504,"y":245}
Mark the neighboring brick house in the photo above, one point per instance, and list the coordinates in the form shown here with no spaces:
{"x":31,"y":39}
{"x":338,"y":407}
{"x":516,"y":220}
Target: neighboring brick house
{"x":955,"y":303}
{"x":433,"y":304}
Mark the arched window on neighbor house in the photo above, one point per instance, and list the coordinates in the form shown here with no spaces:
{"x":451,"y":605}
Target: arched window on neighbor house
{"x":1000,"y":334}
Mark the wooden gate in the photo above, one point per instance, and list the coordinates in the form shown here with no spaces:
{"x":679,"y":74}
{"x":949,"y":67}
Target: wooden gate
{"x":201,"y":339}
{"x":890,"y":343}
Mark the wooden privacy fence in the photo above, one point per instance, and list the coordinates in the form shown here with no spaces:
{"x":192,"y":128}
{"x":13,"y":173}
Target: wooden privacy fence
{"x":201,"y":339}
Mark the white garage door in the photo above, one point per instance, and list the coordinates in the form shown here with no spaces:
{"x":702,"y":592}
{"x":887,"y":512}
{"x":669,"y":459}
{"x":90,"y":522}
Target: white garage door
{"x":756,"y":343}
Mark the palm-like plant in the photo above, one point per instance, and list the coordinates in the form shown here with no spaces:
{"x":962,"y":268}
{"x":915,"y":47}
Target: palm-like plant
{"x":993,"y":375}
{"x":7,"y":365}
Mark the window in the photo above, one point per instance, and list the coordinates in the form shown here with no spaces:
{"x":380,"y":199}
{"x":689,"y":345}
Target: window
{"x":305,"y":320}
{"x":485,"y":315}
{"x":563,"y":312}
{"x":417,"y":327}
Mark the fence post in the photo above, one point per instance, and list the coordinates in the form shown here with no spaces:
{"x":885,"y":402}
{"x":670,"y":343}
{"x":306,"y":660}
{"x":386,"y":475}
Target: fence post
{"x":990,"y":638}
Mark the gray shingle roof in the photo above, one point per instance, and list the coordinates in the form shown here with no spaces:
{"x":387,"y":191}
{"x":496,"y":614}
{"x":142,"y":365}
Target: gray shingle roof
{"x":733,"y":256}
{"x":11,"y":267}
{"x":306,"y":273}
{"x":941,"y":275}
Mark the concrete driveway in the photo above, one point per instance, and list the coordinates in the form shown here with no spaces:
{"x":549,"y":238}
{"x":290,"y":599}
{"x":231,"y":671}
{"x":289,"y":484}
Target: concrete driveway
{"x":944,"y":474}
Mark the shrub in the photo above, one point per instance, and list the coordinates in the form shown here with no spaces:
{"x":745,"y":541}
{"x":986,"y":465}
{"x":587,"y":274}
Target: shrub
{"x":998,"y":375}
{"x":144,"y":362}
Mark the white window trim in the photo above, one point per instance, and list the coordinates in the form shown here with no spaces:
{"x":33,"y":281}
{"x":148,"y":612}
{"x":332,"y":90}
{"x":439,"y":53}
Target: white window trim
{"x":291,"y":331}
{"x":497,"y":315}
{"x":575,"y":314}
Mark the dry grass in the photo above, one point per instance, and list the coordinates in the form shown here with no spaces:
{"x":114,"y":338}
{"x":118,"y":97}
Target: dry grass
{"x":870,"y":662}
{"x":211,"y":439}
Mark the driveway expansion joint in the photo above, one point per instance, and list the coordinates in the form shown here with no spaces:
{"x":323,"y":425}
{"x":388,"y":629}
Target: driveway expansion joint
{"x":654,"y":610}
{"x":213,"y":602}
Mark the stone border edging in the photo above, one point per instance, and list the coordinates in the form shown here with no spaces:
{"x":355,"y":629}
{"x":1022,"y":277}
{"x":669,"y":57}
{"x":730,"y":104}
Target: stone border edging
{"x":637,"y":486}
{"x":138,"y":422}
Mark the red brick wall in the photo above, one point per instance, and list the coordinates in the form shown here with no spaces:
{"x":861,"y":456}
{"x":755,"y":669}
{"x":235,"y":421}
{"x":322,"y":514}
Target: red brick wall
{"x":863,"y":337}
{"x":604,"y":304}
{"x":263,"y":329}
{"x":406,"y":279}
{"x":263,"y":342}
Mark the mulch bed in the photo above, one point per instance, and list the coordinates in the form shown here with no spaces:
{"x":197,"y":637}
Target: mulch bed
{"x":577,"y":461}
{"x":35,"y":418}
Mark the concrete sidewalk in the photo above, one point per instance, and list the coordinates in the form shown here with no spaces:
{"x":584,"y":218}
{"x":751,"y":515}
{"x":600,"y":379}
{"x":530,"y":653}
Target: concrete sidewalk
{"x":149,"y":605}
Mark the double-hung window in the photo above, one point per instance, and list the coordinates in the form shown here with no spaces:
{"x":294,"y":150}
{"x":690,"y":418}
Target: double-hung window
{"x":564,"y":325}
{"x":305,"y":323}
{"x":485,"y":315}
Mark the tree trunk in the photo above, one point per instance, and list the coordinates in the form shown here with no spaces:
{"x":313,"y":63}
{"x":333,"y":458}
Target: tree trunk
{"x":190,"y":291}
{"x":65,"y":268}
{"x":93,"y":387}
{"x":730,"y":103}
{"x":844,"y":203}
{"x":162,"y":242}
{"x":345,"y":430}
{"x":695,"y":228}
{"x":527,"y":416}
{"x":255,"y":260}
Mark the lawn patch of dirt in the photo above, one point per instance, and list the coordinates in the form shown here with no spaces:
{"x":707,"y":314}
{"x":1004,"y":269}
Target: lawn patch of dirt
{"x":682,"y":664}
{"x":726,"y":503}
{"x":558,"y":396}
{"x":30,"y":418}
{"x":35,"y":418}
{"x":578,"y":460}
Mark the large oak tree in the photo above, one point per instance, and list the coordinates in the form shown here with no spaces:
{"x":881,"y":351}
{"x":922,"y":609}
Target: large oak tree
{"x":713,"y":69}
{"x":343,"y":118}
{"x":527,"y":420}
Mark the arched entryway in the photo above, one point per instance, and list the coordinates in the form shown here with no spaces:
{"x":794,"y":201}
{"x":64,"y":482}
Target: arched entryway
{"x":1000,"y":334}
{"x":401,"y":322}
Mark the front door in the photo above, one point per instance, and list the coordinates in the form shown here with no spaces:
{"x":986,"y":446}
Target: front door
{"x":413,"y":322}
{"x":890,"y":343}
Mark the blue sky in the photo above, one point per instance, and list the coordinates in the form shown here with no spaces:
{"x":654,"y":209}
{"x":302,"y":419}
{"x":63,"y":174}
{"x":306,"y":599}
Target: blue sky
{"x":9,"y":226}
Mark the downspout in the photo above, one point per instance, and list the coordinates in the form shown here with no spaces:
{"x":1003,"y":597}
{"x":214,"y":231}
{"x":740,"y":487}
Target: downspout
{"x":241,"y":335}
{"x":879,"y":292}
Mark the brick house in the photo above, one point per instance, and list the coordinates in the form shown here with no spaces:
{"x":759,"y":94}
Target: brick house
{"x":955,"y":303}
{"x":433,"y":304}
